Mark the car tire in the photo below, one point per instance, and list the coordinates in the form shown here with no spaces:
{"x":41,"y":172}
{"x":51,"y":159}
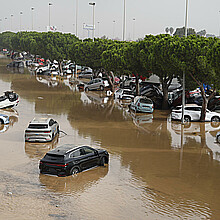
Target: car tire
{"x":74,"y":170}
{"x":218,"y":139}
{"x":101,"y":88}
{"x":102,"y":161}
{"x":86,"y":89}
{"x":187,"y":119}
{"x":1,"y":121}
{"x":215,"y":119}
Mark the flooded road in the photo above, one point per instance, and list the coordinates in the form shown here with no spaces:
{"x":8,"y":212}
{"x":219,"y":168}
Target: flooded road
{"x":149,"y":176}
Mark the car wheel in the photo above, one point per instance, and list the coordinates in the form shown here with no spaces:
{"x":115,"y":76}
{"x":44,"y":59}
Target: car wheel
{"x":1,"y":121}
{"x":218,"y":139}
{"x":86,"y":89}
{"x":74,"y":171}
{"x":101,"y":88}
{"x":102,"y":161}
{"x":215,"y":119}
{"x":187,"y":119}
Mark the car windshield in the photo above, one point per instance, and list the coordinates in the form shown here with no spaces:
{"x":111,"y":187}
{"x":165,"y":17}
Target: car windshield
{"x":38,"y":126}
{"x":54,"y":157}
{"x":146,"y":101}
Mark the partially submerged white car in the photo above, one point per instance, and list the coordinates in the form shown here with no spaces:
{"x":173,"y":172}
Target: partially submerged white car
{"x":9,"y":99}
{"x":41,"y":130}
{"x":192,"y":112}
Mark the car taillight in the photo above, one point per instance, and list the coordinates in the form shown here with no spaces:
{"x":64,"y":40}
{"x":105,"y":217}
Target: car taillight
{"x":58,"y":165}
{"x":47,"y":131}
{"x":138,"y":104}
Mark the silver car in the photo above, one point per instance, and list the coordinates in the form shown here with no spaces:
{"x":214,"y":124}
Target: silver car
{"x":41,"y":130}
{"x":96,"y":84}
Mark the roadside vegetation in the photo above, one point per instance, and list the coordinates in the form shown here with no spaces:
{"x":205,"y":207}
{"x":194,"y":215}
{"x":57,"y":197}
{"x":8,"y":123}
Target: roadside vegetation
{"x":164,"y":55}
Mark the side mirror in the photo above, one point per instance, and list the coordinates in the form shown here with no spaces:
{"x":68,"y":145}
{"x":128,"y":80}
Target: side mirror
{"x":96,"y":152}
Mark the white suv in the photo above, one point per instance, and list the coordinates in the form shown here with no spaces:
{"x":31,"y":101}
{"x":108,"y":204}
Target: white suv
{"x":41,"y":130}
{"x":192,"y":112}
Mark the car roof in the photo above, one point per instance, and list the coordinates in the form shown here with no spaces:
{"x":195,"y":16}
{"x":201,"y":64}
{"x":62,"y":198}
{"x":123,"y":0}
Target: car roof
{"x":40,"y":120}
{"x":189,"y":105}
{"x":63,"y":149}
{"x":3,"y":115}
{"x":140,"y":97}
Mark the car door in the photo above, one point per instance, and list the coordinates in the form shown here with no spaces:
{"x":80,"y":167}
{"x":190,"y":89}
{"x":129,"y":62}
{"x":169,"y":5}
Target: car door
{"x":195,"y":113}
{"x":92,"y":156}
{"x":80,"y":159}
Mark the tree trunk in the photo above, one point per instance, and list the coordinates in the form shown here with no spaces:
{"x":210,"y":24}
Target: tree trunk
{"x":165,"y":104}
{"x":137,"y":85}
{"x":111,"y":80}
{"x":60,"y":68}
{"x":204,"y":104}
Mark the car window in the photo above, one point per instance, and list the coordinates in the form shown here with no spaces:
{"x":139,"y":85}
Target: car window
{"x":51,"y":122}
{"x":88,"y":150}
{"x":38,"y":126}
{"x":77,"y":153}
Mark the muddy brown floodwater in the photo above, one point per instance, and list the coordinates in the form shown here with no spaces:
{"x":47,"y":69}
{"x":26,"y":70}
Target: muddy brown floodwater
{"x":151,"y":175}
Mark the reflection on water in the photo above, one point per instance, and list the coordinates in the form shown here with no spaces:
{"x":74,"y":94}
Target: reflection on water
{"x":74,"y":184}
{"x":38,"y":150}
{"x":150,"y":176}
{"x":13,"y":118}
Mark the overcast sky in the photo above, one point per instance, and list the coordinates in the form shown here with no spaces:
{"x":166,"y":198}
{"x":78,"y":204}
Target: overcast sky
{"x":151,"y":16}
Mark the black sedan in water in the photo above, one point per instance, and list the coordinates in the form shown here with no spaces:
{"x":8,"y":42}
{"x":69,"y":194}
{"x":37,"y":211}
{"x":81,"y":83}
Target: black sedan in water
{"x":69,"y":159}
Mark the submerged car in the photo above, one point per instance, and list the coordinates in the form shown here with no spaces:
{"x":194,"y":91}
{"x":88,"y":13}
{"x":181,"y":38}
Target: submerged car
{"x":124,"y":94}
{"x":96,"y":84}
{"x":69,"y":159}
{"x":4,"y":119}
{"x":9,"y":99}
{"x":142,"y":104}
{"x":16,"y":64}
{"x":218,"y":137}
{"x":41,"y":130}
{"x":192,"y":112}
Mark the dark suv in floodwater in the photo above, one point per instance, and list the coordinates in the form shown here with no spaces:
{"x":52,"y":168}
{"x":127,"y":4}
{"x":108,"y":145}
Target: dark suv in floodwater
{"x":69,"y":159}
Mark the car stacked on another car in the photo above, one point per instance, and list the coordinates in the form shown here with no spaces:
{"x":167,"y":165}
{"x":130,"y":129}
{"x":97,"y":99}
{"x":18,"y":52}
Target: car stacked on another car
{"x":192,"y":112}
{"x":125,"y":94}
{"x":69,"y":159}
{"x":41,"y":130}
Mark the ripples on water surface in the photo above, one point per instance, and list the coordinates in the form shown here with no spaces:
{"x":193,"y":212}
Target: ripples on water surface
{"x":149,"y":175}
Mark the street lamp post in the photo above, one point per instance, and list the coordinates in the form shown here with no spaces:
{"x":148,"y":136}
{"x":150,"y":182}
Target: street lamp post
{"x":32,"y":18}
{"x":49,"y":14}
{"x":113,"y":35}
{"x":11,"y":21}
{"x":93,"y":23}
{"x":76,"y":17}
{"x":124,"y":17}
{"x":83,"y":29}
{"x":134,"y":29}
{"x":21,"y":13}
{"x":183,"y":95}
{"x":0,"y":25}
{"x":6,"y":24}
{"x":219,"y":25}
